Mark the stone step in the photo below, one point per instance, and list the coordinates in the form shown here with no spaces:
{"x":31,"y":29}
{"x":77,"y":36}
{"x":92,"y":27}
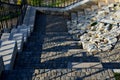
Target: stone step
{"x":57,"y":38}
{"x":63,"y":55}
{"x":57,"y":46}
{"x":59,"y":74}
{"x":57,"y":34}
{"x":85,"y":65}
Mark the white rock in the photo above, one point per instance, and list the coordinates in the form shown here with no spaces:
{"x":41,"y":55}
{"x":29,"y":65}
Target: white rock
{"x":79,"y":25}
{"x":105,"y":47}
{"x":85,"y":44}
{"x":112,"y":41}
{"x":92,"y":47}
{"x":117,"y":14}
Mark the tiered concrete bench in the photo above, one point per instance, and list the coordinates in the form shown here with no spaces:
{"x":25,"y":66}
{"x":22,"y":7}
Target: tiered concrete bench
{"x":8,"y":51}
{"x":30,"y":17}
{"x":23,"y":29}
{"x":12,"y":42}
{"x":18,"y":37}
{"x":1,"y":65}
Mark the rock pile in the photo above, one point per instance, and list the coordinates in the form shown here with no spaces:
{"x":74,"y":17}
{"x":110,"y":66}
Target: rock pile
{"x":99,"y":31}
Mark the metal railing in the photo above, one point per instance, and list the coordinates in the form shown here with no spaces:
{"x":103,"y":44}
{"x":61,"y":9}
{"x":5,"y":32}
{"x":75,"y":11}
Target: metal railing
{"x":11,"y":15}
{"x":52,"y":3}
{"x":44,"y":3}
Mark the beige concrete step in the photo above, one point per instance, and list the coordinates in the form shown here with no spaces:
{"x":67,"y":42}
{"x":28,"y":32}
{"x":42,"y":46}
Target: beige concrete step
{"x":8,"y":51}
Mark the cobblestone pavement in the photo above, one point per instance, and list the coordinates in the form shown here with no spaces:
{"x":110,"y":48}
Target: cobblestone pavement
{"x":49,"y":54}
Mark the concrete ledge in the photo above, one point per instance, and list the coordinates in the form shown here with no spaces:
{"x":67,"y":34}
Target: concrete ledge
{"x":25,"y":27}
{"x":5,"y":36}
{"x":18,"y":37}
{"x":86,"y":65}
{"x":25,"y":33}
{"x":8,"y":51}
{"x":30,"y":17}
{"x":1,"y":65}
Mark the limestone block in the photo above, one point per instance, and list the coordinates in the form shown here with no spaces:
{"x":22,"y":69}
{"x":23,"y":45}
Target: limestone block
{"x":100,"y":26}
{"x":70,"y":31}
{"x":5,"y":36}
{"x":92,"y":48}
{"x":111,"y":5}
{"x":1,"y":65}
{"x":108,"y":21}
{"x":101,"y":13}
{"x":112,"y":40}
{"x":25,"y":33}
{"x":105,"y":47}
{"x":94,"y":8}
{"x":79,"y":25}
{"x":82,"y":31}
{"x":117,"y":14}
{"x":73,"y":16}
{"x":25,"y":27}
{"x":101,"y":4}
{"x":8,"y":51}
{"x":85,"y":37}
{"x":68,"y":23}
{"x":94,"y":40}
{"x":114,"y":27}
{"x":74,"y":22}
{"x":87,"y":11}
{"x":107,"y":28}
{"x":14,"y":30}
{"x":18,"y":37}
{"x":84,"y":27}
{"x":85,"y":44}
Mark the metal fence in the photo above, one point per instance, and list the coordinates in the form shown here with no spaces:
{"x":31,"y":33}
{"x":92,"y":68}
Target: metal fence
{"x":11,"y":15}
{"x":44,"y":3}
{"x":52,"y":3}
